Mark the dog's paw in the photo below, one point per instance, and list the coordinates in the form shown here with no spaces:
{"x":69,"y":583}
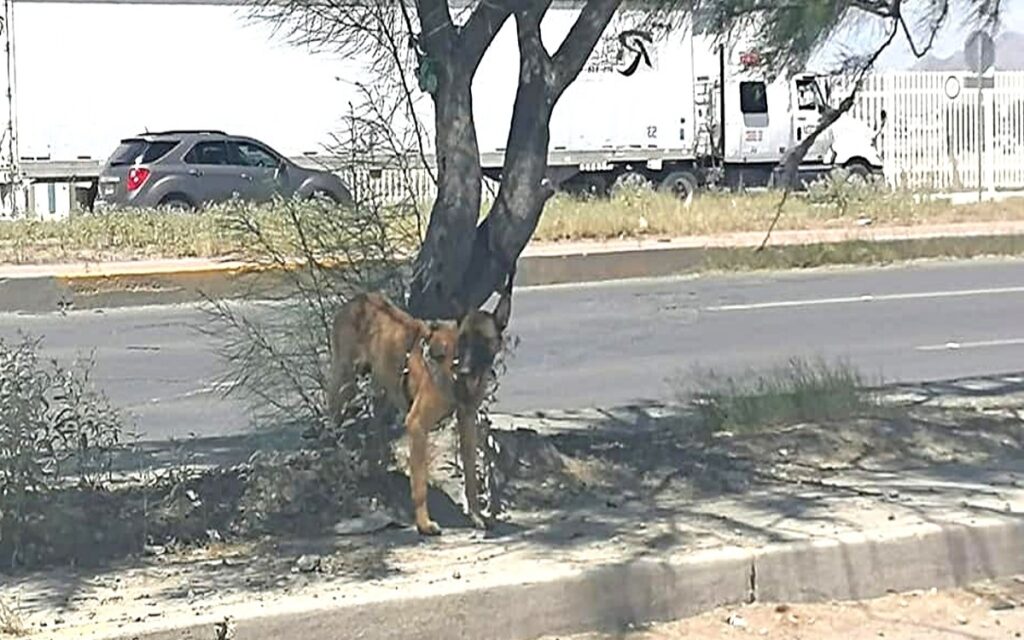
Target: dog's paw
{"x":479,"y":522}
{"x":431,"y":528}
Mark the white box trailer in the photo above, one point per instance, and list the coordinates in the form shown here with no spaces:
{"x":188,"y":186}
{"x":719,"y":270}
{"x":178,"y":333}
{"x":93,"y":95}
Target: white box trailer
{"x":651,"y":103}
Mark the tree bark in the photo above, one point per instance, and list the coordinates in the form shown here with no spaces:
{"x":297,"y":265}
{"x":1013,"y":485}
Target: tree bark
{"x":445,"y":253}
{"x":524,"y":188}
{"x":440,"y":266}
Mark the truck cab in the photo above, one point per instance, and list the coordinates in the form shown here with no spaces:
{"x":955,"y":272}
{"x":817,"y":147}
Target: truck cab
{"x":765,"y":119}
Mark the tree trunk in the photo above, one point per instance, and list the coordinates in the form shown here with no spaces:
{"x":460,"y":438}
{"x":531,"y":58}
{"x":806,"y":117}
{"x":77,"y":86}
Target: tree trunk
{"x":523,"y":191}
{"x":461,"y":265}
{"x":446,"y":250}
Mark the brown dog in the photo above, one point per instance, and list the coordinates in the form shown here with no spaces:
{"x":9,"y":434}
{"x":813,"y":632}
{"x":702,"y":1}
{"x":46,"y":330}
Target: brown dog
{"x":428,"y":369}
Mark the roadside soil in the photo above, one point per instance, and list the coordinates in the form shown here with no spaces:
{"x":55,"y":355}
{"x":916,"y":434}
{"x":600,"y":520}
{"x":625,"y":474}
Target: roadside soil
{"x":992,"y":610}
{"x":580,"y":488}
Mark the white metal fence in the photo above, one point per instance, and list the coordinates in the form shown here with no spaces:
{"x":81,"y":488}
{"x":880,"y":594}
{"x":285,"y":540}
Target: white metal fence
{"x":932,"y":139}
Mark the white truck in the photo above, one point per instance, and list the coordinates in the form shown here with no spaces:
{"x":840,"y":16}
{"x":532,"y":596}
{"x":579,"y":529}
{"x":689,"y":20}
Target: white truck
{"x":650,"y":103}
{"x":670,"y":107}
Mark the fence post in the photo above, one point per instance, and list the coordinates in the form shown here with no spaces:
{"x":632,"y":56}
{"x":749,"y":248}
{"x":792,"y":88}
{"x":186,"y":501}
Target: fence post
{"x":890,"y":167}
{"x":990,"y":135}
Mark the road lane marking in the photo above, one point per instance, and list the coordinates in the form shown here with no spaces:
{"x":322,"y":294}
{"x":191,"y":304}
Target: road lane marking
{"x":980,"y":344}
{"x":866,"y":298}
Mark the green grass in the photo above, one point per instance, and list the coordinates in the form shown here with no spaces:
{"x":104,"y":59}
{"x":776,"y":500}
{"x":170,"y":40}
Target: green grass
{"x":141,"y":234}
{"x":649,"y":214}
{"x":800,"y":391}
{"x":860,"y":252}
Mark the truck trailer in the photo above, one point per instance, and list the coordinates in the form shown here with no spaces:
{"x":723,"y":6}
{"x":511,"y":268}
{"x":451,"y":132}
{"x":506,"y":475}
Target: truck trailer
{"x":662,"y":103}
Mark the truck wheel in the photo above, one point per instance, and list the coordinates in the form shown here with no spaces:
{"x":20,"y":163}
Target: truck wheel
{"x":592,"y":185}
{"x":680,"y":183}
{"x":631,"y":180}
{"x":858,"y":173}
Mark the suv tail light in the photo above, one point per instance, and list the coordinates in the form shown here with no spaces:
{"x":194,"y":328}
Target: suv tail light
{"x":137,"y":177}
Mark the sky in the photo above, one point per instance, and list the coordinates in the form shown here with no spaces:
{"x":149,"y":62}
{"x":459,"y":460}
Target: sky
{"x":142,"y":75}
{"x":951,"y":38}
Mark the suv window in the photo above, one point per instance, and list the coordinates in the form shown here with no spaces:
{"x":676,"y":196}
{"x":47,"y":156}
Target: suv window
{"x":135,"y":150}
{"x":208,"y":153}
{"x":753,"y":97}
{"x":248,"y":154}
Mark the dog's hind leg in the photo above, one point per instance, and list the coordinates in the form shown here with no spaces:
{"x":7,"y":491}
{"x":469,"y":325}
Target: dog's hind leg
{"x":417,"y":424}
{"x":341,"y":383}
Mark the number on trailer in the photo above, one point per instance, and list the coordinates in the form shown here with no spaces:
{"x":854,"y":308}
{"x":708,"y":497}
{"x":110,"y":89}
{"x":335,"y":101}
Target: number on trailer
{"x":652,"y":132}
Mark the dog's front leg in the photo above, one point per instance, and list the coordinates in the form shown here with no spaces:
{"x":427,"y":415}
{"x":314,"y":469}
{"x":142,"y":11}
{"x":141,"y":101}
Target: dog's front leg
{"x":416,"y":428}
{"x":467,"y":447}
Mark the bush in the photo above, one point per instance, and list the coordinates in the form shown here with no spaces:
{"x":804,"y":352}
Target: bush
{"x":800,"y":391}
{"x":55,"y":430}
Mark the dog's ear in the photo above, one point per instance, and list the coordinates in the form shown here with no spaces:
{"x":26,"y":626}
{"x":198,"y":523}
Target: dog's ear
{"x":503,"y":311}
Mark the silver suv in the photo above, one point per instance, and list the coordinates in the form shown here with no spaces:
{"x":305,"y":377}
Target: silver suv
{"x":191,"y":169}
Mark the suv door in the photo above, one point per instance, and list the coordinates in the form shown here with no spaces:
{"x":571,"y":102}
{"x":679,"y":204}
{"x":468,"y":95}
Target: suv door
{"x":213,"y":177}
{"x":261,"y":168}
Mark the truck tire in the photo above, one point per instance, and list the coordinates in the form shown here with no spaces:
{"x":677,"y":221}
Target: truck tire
{"x":680,"y":183}
{"x":858,"y":172}
{"x":631,"y":180}
{"x":592,"y":185}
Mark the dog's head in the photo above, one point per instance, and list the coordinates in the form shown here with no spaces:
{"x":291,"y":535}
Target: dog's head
{"x":481,"y":338}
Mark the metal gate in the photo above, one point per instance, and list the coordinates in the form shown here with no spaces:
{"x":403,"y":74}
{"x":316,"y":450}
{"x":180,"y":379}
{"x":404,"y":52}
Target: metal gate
{"x":933,"y":139}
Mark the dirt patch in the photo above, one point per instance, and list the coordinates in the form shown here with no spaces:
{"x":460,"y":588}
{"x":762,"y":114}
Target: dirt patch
{"x":586,"y":488}
{"x":984,"y":611}
{"x":546,"y":474}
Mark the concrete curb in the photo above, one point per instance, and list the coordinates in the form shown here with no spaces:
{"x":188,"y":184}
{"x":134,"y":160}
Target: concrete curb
{"x":610,"y":597}
{"x":46,"y":288}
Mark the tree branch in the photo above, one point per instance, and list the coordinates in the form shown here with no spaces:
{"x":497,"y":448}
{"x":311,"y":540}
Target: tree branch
{"x":931,"y":39}
{"x":791,"y":163}
{"x":575,"y":50}
{"x":481,"y":28}
{"x":435,"y":22}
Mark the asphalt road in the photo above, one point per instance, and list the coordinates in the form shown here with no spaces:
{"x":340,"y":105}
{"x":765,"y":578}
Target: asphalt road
{"x":616,"y":343}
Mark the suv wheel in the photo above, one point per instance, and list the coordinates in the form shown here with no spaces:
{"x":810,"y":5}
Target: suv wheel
{"x":323,"y":196}
{"x":177,"y":204}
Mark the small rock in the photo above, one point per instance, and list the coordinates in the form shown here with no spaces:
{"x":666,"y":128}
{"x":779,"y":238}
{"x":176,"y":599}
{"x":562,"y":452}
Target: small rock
{"x":213,"y":535}
{"x":307,"y":563}
{"x":154,"y":550}
{"x":1003,"y":605}
{"x":369,"y":523}
{"x":782,"y":608}
{"x":894,"y":494}
{"x":736,"y":621}
{"x":961,"y":620}
{"x":892,"y":517}
{"x":457,"y":575}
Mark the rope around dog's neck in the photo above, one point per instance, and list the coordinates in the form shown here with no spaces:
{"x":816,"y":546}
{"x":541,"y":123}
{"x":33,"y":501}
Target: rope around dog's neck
{"x":428,"y":361}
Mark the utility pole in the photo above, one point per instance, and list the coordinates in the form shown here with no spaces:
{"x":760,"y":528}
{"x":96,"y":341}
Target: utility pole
{"x":13,"y":159}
